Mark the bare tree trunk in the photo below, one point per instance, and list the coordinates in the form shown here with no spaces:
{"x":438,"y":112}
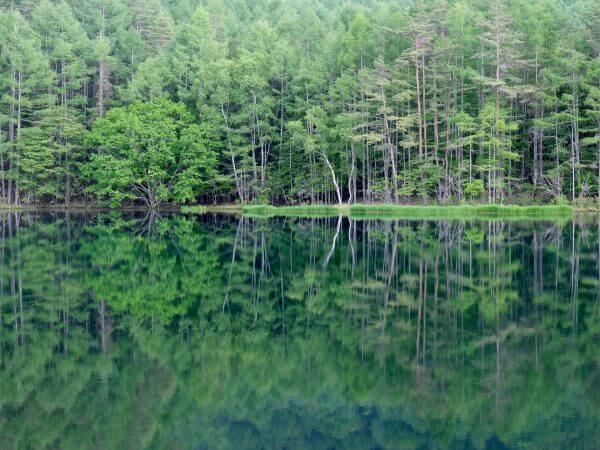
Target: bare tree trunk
{"x":2,"y":187}
{"x":233,"y":165}
{"x":419,"y":112}
{"x":391,"y":147}
{"x":11,"y":135}
{"x":352,"y":176}
{"x":103,"y":87}
{"x":19,"y":108}
{"x":333,"y":177}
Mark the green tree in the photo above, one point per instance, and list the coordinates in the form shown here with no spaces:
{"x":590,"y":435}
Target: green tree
{"x":152,"y":152}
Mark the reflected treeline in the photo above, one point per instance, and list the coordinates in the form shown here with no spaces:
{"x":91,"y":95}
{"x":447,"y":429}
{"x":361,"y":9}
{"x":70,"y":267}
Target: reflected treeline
{"x":125,"y":331}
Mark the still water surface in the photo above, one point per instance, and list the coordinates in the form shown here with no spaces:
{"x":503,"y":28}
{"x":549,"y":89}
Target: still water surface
{"x":186,"y":332}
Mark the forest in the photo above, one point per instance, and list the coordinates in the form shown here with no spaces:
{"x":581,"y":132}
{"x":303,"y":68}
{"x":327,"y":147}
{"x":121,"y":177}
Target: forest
{"x":154,"y":102}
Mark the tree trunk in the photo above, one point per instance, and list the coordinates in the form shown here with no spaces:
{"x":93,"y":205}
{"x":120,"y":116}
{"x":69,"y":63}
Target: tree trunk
{"x":335,"y":183}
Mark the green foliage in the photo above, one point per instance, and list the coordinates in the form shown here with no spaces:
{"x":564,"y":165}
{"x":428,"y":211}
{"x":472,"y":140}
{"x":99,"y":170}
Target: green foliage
{"x":560,"y":200}
{"x":150,"y":151}
{"x":474,"y":189}
{"x":321,"y":102}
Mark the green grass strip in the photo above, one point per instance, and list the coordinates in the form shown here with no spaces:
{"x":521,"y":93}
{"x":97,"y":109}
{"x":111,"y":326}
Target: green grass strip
{"x":203,"y":209}
{"x":197,"y":209}
{"x":461,"y":210}
{"x":404,"y":211}
{"x":294,"y":211}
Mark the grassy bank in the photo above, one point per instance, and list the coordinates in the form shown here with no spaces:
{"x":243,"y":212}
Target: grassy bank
{"x":196,"y":209}
{"x":356,"y":210}
{"x":459,"y":210}
{"x":295,"y":211}
{"x":404,"y":211}
{"x":202,"y":209}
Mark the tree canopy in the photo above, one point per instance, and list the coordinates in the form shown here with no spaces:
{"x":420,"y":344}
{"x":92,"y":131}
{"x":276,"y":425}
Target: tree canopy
{"x":300,"y":101}
{"x":151,"y":152}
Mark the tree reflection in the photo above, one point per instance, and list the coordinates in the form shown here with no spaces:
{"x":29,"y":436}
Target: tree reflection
{"x":287,"y":333}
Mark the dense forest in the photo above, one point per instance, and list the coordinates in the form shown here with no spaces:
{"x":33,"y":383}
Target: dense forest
{"x":299,"y":101}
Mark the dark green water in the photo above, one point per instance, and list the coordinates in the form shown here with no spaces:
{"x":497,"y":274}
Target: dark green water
{"x":184,"y":332}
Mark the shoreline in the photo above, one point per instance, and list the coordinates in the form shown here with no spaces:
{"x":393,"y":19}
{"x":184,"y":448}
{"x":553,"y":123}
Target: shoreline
{"x":362,"y":211}
{"x":357,"y":211}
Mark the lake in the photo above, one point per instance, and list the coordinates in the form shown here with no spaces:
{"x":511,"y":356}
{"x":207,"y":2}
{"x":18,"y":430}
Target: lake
{"x":148,"y":331}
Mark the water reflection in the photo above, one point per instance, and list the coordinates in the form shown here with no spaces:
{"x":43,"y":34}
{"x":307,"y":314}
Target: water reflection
{"x":123,"y":331}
